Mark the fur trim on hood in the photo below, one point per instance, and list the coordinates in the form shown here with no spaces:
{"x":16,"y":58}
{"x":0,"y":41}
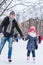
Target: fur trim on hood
{"x":32,"y":34}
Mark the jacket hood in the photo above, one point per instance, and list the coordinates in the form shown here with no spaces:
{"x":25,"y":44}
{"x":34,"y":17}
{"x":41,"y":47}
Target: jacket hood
{"x":32,"y":34}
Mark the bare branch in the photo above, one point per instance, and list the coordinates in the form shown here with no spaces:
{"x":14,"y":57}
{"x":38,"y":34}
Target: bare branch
{"x":6,"y":8}
{"x":2,"y":3}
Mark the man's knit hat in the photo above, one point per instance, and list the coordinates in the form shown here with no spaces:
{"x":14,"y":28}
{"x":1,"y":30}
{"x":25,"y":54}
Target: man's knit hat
{"x":12,"y":13}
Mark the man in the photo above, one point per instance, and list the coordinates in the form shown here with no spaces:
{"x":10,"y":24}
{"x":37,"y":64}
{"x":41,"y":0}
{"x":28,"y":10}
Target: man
{"x":9,"y":23}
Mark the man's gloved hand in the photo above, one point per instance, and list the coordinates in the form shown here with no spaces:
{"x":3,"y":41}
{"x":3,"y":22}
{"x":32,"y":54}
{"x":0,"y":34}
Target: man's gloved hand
{"x":23,"y":38}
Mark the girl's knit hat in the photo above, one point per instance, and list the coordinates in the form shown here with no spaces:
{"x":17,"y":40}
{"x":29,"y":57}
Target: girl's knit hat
{"x":32,"y":29}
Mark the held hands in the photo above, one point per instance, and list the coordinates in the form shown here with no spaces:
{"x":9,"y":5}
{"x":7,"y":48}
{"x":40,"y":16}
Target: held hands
{"x":23,"y":38}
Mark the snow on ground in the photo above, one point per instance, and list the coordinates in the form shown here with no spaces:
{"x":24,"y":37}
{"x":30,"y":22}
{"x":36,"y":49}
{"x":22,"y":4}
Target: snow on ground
{"x":19,"y":54}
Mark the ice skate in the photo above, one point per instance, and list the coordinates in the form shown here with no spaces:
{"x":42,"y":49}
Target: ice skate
{"x":33,"y":60}
{"x":28,"y":58}
{"x":9,"y":60}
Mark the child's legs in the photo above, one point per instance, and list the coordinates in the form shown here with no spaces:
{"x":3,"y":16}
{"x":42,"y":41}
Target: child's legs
{"x":33,"y":53}
{"x":10,"y":40}
{"x":28,"y":53}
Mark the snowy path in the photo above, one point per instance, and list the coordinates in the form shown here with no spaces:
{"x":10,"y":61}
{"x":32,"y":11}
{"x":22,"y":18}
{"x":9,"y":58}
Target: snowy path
{"x":19,"y":54}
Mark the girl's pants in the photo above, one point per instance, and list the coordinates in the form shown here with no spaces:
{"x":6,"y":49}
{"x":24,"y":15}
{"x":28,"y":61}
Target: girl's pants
{"x":33,"y":53}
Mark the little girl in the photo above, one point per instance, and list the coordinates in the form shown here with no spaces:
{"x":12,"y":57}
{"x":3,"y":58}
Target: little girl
{"x":32,"y":42}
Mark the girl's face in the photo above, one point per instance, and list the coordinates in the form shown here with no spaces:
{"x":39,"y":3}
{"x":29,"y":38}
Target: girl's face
{"x":33,"y":31}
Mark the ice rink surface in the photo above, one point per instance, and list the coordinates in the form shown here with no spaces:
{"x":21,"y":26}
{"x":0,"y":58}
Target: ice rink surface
{"x":19,"y":56}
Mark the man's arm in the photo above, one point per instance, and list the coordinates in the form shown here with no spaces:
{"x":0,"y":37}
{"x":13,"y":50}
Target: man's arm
{"x":18,"y":29}
{"x":3,"y":24}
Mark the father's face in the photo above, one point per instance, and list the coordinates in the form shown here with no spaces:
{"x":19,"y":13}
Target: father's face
{"x":12,"y":16}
